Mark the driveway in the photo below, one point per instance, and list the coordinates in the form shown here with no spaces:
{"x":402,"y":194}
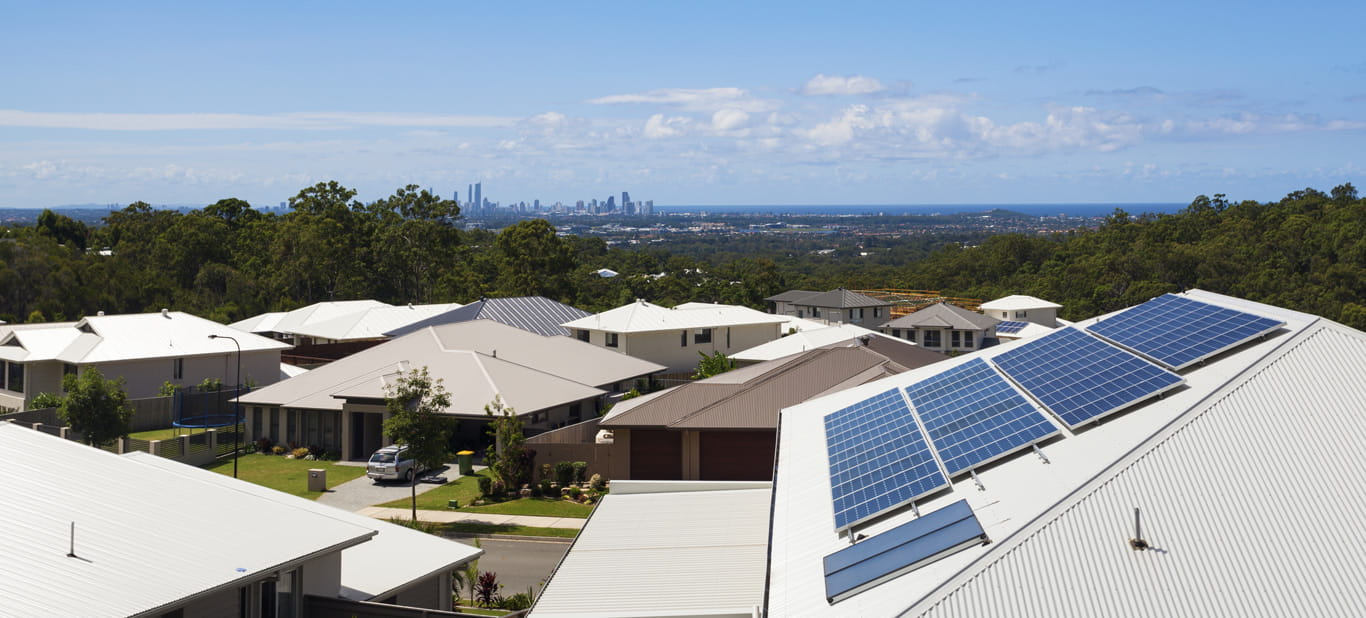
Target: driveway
{"x":362,"y":492}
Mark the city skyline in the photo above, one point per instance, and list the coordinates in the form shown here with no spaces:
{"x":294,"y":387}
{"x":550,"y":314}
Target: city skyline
{"x":705,"y":103}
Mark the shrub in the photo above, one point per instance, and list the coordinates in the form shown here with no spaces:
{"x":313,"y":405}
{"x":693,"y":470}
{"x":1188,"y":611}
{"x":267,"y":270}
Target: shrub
{"x":486,"y":590}
{"x":299,"y":453}
{"x":547,"y":472}
{"x":499,"y":487}
{"x":263,"y":445}
{"x":564,"y":473}
{"x":580,"y":471}
{"x":575,"y":492}
{"x":546,"y":487}
{"x":277,"y":449}
{"x":519,"y":601}
{"x":485,"y":485}
{"x":597,"y":483}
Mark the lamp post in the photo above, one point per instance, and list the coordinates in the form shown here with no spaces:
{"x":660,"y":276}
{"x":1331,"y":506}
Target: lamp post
{"x":237,"y":406}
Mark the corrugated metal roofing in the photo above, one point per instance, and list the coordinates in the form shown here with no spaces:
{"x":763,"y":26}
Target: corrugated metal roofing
{"x":842,"y":299}
{"x":536,"y":314}
{"x":946,"y":316}
{"x":1263,"y":482}
{"x":803,"y":340}
{"x":132,"y":337}
{"x":371,"y":323}
{"x":791,"y":296}
{"x":642,"y":316}
{"x":665,"y":553}
{"x":145,"y":537}
{"x":302,"y":317}
{"x":1019,"y":302}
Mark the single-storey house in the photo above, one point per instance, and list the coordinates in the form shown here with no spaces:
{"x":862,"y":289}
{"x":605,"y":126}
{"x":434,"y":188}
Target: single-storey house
{"x":1023,"y":308}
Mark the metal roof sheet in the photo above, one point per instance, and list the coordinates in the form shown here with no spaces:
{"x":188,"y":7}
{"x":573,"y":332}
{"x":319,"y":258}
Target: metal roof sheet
{"x":643,"y":316}
{"x":944,"y":315}
{"x":680,"y":549}
{"x":134,"y":530}
{"x":841,"y":298}
{"x":1017,"y":302}
{"x":791,"y":296}
{"x":537,"y":314}
{"x":801,"y":341}
{"x":299,"y":318}
{"x":113,"y":338}
{"x":372,"y":323}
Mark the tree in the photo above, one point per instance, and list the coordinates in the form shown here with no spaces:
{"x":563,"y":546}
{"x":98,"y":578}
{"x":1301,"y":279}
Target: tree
{"x":534,"y":261}
{"x":715,"y":364}
{"x":508,"y":456}
{"x":416,"y":405}
{"x":95,"y":407}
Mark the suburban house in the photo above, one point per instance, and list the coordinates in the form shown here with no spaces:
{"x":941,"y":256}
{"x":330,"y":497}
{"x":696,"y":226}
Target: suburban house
{"x":536,"y":314}
{"x":549,"y":381}
{"x":674,"y":337}
{"x":838,"y":306}
{"x":904,"y":352}
{"x":660,"y":548}
{"x":723,"y":428}
{"x":1023,"y":308}
{"x":943,"y":327}
{"x":146,"y":350}
{"x":1094,"y":470}
{"x":141,"y":535}
{"x":354,"y":322}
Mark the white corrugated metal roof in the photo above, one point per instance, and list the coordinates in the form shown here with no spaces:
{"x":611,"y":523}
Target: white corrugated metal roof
{"x":665,"y":549}
{"x":1018,"y":302}
{"x":263,"y":323}
{"x":113,"y":338}
{"x":642,"y":316}
{"x":392,"y":559}
{"x":372,"y":322}
{"x":302,"y":317}
{"x":1023,"y":488}
{"x":1252,"y":503}
{"x":802,"y":341}
{"x":145,"y":537}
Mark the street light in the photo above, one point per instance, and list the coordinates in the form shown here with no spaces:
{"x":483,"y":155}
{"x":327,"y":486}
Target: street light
{"x":237,"y":405}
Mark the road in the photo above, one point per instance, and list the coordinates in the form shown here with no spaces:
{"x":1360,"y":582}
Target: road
{"x":519,"y":563}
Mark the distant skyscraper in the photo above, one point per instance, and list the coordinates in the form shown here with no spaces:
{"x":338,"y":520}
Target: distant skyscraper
{"x":469,"y":196}
{"x":625,"y":200}
{"x":611,"y":203}
{"x":478,"y":197}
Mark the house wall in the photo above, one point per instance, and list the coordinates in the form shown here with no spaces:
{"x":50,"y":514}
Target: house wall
{"x":143,"y":378}
{"x":322,"y":575}
{"x":868,"y":317}
{"x":665,"y":348}
{"x":1046,"y":316}
{"x":430,"y":593}
{"x":917,"y":336}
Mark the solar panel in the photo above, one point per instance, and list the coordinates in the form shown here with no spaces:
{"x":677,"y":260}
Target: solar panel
{"x":902,"y":549}
{"x":1177,"y":331}
{"x":1010,"y":327}
{"x":974,"y":416}
{"x":1081,"y":378}
{"x":879,"y":459}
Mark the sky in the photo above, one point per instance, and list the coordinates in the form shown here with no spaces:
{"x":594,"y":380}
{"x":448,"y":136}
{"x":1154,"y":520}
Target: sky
{"x":683,"y":103}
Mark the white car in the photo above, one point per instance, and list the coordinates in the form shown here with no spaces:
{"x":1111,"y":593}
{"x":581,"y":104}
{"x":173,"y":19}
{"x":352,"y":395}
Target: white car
{"x":392,"y":463}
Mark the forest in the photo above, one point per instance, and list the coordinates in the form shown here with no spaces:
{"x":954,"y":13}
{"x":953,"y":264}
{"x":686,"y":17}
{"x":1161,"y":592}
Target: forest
{"x":227,"y":261}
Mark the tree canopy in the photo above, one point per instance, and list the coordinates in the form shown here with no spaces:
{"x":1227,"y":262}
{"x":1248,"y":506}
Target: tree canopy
{"x":416,"y":406}
{"x":95,"y":408}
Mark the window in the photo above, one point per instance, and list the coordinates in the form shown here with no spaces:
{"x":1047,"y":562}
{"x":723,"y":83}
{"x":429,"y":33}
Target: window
{"x":1020,"y":314}
{"x":256,"y":414}
{"x":68,"y":369}
{"x":1005,"y":314}
{"x":582,"y":334}
{"x":932,"y":339}
{"x":683,"y":341}
{"x":877,"y":312}
{"x":703,"y":335}
{"x":967,"y":339}
{"x":14,"y":377}
{"x":178,"y":369}
{"x":956,"y":338}
{"x":815,"y":312}
{"x":728,"y":337}
{"x":896,"y":332}
{"x":274,"y":424}
{"x":575,"y":413}
{"x":851,"y":315}
{"x":611,"y":340}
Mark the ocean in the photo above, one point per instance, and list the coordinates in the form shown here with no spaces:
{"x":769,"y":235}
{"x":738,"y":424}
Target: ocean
{"x":1038,"y":210}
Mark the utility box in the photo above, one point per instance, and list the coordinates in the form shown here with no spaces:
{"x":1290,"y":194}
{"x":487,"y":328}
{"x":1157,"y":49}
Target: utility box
{"x":466,"y":461}
{"x":317,"y":479}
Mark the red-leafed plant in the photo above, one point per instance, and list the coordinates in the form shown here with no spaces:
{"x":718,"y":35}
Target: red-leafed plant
{"x":486,"y":590}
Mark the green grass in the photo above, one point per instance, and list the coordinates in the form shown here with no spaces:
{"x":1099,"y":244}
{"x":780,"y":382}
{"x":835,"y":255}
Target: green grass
{"x":466,"y":490}
{"x":287,"y":475}
{"x":462,"y":528}
{"x":166,"y":434}
{"x":465,"y":609}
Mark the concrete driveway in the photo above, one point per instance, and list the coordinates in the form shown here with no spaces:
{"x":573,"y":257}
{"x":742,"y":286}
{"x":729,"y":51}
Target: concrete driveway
{"x":362,"y":492}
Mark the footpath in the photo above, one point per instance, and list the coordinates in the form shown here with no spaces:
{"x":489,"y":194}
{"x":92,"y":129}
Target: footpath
{"x":445,"y":517}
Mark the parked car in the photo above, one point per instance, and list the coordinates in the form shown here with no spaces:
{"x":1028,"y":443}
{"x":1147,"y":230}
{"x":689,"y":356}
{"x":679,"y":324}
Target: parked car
{"x":392,"y":463}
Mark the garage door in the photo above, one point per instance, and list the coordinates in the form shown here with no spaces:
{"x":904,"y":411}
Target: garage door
{"x":656,"y":455}
{"x":737,"y":455}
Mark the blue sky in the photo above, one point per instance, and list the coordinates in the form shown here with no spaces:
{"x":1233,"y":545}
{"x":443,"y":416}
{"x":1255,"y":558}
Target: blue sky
{"x":683,"y":103}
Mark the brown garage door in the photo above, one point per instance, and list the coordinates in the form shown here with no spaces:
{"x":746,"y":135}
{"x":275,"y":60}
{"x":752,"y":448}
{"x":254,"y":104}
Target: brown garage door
{"x":656,"y":455}
{"x":737,"y":455}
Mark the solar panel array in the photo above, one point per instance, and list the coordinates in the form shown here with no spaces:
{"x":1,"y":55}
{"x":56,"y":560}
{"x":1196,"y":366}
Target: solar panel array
{"x":973,"y":416}
{"x":1081,"y":378}
{"x":1010,"y":327}
{"x":879,"y":459}
{"x":1177,"y":331}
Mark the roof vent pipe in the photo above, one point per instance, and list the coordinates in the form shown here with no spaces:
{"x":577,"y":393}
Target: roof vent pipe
{"x":100,"y":312}
{"x":165,"y":313}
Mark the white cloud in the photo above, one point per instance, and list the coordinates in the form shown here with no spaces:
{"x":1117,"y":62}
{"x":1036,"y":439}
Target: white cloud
{"x":703,"y":100}
{"x":198,"y":121}
{"x":658,"y":127}
{"x":823,"y":84}
{"x":729,"y":119}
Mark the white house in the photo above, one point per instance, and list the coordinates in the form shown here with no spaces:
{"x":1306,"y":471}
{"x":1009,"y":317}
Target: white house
{"x":1024,"y":309}
{"x":943,"y":328}
{"x":673,"y":337}
{"x":139,"y":535}
{"x":147,"y":350}
{"x":339,"y":321}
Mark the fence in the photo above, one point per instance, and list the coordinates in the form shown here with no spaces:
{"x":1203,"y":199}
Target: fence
{"x":196,"y":449}
{"x":575,"y":442}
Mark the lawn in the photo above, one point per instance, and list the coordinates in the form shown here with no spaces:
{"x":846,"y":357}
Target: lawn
{"x":466,"y":490}
{"x":461,"y":528}
{"x":167,"y":434}
{"x":287,"y":475}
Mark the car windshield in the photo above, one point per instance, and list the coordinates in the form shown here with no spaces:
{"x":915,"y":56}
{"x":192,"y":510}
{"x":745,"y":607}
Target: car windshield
{"x":382,"y":458}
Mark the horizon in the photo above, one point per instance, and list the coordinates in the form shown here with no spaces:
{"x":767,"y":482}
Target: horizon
{"x":757,"y":104}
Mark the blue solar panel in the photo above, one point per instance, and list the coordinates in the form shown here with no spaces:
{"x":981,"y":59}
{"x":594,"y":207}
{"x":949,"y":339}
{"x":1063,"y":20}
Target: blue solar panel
{"x":1177,"y":331}
{"x":879,"y":459}
{"x":1081,"y":378}
{"x":902,"y":549}
{"x":1010,"y":328}
{"x":973,"y":416}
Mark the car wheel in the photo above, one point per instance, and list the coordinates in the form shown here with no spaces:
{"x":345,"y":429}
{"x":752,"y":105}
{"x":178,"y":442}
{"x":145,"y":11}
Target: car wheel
{"x":410,"y":475}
